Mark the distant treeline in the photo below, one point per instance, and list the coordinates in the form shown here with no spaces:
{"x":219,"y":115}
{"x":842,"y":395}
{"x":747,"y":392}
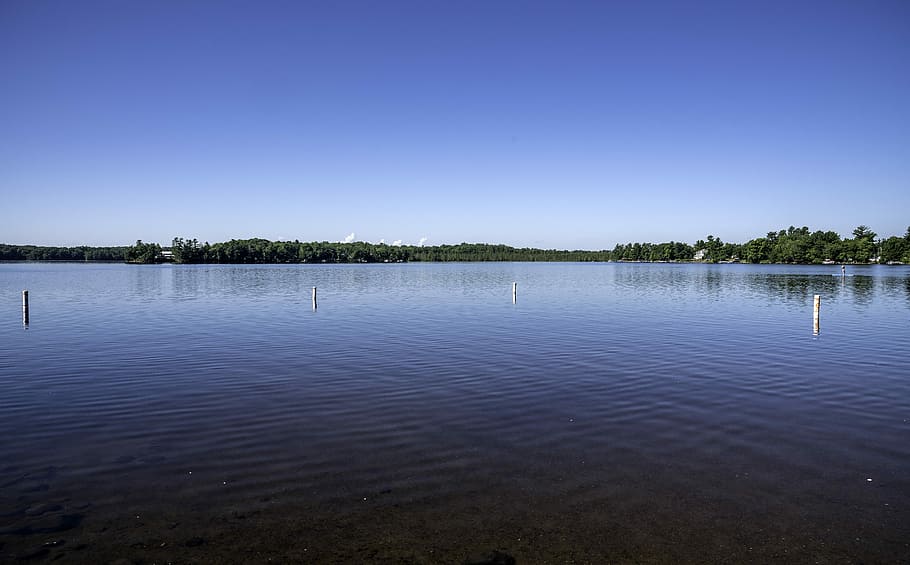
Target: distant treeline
{"x":792,"y":245}
{"x":265,"y":251}
{"x":81,"y":253}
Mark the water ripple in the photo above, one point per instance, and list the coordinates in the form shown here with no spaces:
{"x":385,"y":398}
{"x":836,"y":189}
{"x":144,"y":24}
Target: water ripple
{"x":635,"y":390}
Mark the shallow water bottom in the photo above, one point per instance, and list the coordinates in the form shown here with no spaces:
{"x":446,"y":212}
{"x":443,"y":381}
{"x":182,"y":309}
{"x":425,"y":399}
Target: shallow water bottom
{"x":562,"y":510}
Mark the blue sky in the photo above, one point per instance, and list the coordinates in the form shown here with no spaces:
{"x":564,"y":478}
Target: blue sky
{"x":545,"y":124}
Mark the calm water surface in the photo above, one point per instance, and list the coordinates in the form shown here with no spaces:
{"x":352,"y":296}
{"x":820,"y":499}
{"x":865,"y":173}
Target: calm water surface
{"x":614,"y":413}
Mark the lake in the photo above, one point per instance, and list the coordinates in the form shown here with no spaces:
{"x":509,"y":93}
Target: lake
{"x":613,"y":413}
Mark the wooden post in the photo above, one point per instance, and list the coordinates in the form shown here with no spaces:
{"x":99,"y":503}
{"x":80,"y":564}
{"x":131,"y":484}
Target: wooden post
{"x":314,"y":298}
{"x":25,"y":307}
{"x":815,"y":308}
{"x":514,"y":292}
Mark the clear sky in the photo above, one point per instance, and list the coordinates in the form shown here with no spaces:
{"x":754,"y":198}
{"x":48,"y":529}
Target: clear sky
{"x":548,"y":124}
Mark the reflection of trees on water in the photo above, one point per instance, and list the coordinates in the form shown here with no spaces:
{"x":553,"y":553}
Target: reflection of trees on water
{"x":895,"y":285}
{"x":147,"y":282}
{"x":863,"y":289}
{"x":794,"y":288}
{"x":666,"y":280}
{"x":859,"y":289}
{"x":677,"y":282}
{"x":713,"y":280}
{"x":188,"y":283}
{"x":193,"y":281}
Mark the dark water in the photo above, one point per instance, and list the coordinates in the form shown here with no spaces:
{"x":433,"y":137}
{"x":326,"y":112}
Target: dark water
{"x":614,"y":413}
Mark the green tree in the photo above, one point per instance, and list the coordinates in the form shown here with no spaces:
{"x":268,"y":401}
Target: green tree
{"x":863,"y":248}
{"x":757,"y":250}
{"x":714,"y":249}
{"x":863,"y":232}
{"x":894,"y":249}
{"x":187,"y":251}
{"x":143,"y":252}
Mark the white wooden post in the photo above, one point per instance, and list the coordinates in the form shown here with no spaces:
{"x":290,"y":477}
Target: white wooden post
{"x":815,"y":308}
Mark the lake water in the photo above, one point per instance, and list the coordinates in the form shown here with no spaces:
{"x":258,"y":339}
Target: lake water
{"x":613,"y":413}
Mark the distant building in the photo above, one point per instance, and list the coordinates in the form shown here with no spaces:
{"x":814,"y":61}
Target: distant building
{"x":700,"y":254}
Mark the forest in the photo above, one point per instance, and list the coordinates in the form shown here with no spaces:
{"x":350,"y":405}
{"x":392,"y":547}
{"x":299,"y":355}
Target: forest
{"x":792,"y":245}
{"x":43,"y":253}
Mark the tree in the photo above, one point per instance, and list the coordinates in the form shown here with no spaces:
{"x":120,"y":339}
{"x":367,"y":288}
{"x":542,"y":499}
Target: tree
{"x":713,"y":249}
{"x":863,"y":232}
{"x":863,"y":248}
{"x":144,"y":252}
{"x":756,"y":250}
{"x":894,"y":249}
{"x":188,"y":251}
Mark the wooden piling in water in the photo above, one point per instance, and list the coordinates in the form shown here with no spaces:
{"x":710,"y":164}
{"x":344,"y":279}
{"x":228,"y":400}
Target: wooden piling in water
{"x":514,"y":292}
{"x":815,"y":308}
{"x":314,"y":298}
{"x":25,"y":307}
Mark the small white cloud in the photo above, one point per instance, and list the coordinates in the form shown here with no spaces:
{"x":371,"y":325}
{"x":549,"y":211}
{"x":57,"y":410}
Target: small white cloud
{"x":396,"y":242}
{"x":382,"y":241}
{"x":421,"y":242}
{"x":349,"y":238}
